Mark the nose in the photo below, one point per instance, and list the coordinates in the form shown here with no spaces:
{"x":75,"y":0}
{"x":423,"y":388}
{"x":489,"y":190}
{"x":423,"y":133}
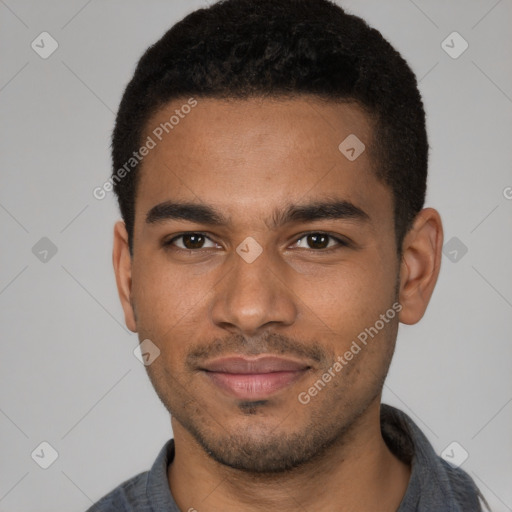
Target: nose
{"x":253,"y":296}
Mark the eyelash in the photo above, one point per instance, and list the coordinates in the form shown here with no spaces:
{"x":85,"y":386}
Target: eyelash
{"x":169,"y":244}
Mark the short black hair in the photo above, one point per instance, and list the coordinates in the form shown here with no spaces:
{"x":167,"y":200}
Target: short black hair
{"x":273,"y":48}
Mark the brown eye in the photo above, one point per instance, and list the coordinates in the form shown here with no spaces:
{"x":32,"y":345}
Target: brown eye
{"x":191,"y":241}
{"x":317,"y":241}
{"x":320,"y":241}
{"x":194,"y":241}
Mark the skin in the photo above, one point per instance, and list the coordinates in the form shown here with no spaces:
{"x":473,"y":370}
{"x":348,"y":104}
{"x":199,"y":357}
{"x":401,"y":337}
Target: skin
{"x":249,"y":159}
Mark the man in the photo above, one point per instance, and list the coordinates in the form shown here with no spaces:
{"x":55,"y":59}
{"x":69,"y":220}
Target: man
{"x":270,"y":162}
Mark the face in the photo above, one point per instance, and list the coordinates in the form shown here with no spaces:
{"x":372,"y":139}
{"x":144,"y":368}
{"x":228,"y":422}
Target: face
{"x":262,"y":257}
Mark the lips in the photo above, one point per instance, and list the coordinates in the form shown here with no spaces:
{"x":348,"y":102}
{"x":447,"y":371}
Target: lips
{"x":243,"y":365}
{"x":254,"y":378}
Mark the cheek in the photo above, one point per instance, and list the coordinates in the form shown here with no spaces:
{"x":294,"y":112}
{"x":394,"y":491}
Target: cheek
{"x":348,"y":297}
{"x":164,"y":297}
{"x":170,"y":308}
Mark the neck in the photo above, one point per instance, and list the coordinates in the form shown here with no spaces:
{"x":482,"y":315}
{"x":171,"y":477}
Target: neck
{"x":358,"y":473}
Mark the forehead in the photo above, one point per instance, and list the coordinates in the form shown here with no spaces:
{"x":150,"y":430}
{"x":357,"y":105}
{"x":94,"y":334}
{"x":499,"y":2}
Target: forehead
{"x":246,"y":157}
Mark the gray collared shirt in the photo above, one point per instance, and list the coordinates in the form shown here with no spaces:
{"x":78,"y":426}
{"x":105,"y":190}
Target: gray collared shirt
{"x":434,"y":485}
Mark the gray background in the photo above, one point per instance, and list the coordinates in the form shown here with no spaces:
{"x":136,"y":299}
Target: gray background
{"x":68,"y":373}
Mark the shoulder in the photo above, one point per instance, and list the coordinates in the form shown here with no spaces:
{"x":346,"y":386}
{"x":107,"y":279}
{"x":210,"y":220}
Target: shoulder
{"x":434,"y":484}
{"x":465,"y":492}
{"x":126,"y":497}
{"x":144,"y":492}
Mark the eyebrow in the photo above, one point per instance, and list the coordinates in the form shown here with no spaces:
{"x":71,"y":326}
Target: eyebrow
{"x":205,"y":214}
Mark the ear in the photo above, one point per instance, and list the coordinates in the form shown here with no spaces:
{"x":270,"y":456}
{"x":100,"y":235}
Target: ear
{"x":420,"y":265}
{"x":122,"y":260}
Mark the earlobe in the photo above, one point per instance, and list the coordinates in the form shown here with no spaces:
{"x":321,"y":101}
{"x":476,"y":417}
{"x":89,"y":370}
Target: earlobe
{"x":122,"y":261}
{"x":420,"y":265}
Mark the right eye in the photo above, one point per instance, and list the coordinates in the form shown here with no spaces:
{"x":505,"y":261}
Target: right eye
{"x":190,"y":241}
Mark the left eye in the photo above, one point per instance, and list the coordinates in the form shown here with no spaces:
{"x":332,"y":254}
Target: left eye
{"x":319,"y":241}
